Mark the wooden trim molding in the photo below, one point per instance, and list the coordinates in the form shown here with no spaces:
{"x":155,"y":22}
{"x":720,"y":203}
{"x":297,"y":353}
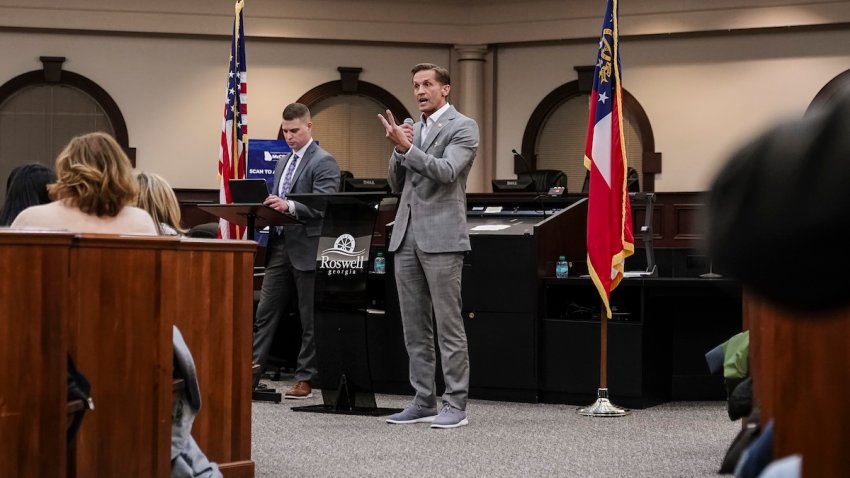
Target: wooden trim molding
{"x":651,"y":158}
{"x":50,"y":75}
{"x":349,"y":84}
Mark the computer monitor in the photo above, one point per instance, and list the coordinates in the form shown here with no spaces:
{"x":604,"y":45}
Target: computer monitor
{"x":366,"y":185}
{"x":513,"y":185}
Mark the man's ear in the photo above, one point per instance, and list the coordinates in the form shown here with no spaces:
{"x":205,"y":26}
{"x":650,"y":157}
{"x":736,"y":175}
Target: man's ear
{"x":446,"y":89}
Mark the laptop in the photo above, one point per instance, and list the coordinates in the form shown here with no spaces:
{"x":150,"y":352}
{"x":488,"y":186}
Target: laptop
{"x":248,"y":191}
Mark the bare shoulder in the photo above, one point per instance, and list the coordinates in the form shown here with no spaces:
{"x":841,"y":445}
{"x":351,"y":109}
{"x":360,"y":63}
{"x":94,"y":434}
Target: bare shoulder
{"x":138,"y":219}
{"x":37,"y":216}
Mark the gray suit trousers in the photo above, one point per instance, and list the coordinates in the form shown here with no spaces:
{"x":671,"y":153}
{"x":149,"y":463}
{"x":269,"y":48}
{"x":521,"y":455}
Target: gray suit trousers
{"x":429,"y":294}
{"x":281,"y":283}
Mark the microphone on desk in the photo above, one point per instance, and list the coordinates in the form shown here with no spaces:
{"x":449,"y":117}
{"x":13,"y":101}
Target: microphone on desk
{"x":527,"y":169}
{"x":539,"y":194}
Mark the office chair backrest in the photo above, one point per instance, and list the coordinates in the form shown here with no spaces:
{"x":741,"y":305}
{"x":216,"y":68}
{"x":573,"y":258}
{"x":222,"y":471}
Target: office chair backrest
{"x":343,"y":175}
{"x":546,"y":178}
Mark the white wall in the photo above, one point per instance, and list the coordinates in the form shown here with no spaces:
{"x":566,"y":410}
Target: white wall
{"x":171,"y":91}
{"x":704,"y":93}
{"x":704,"y":96}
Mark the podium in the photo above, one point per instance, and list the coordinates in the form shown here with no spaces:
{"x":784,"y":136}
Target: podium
{"x":251,"y":216}
{"x":342,"y":269}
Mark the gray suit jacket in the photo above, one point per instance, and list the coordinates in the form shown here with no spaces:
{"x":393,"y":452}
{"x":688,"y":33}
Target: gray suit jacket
{"x":317,"y":172}
{"x":432,"y":181}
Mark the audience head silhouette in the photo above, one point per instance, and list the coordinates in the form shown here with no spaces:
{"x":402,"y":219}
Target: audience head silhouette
{"x":776,"y":217}
{"x":158,"y":199}
{"x":94,"y":175}
{"x":94,"y":192}
{"x":28,"y":187}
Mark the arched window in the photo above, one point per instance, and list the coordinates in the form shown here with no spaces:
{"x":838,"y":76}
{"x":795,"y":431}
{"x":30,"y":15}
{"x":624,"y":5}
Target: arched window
{"x":40,"y":111}
{"x":345,"y":122}
{"x":557,"y":131}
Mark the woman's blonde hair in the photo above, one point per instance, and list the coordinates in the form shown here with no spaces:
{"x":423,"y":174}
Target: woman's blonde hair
{"x":94,"y":175}
{"x":158,"y":199}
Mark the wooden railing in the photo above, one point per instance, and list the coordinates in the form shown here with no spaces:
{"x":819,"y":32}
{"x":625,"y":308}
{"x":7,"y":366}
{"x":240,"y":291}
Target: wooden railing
{"x":111,"y":302}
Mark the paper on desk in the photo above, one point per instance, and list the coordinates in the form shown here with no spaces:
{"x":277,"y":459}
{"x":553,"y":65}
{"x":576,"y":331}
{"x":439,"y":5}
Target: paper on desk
{"x":490,"y":227}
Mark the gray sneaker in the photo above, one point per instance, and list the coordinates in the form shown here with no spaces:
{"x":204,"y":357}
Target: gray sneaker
{"x":413,"y":414}
{"x":450,"y":417}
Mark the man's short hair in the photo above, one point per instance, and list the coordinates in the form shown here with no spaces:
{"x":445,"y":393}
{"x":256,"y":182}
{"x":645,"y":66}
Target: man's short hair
{"x":441,"y":73}
{"x":296,"y":111}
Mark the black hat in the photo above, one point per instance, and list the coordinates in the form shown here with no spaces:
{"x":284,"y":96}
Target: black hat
{"x":779,"y":212}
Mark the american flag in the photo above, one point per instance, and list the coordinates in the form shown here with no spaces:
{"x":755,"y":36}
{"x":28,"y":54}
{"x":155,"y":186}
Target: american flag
{"x":234,"y":128}
{"x":609,"y":216}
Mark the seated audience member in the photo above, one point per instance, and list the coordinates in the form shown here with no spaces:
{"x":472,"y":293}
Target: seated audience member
{"x":94,"y":192}
{"x":11,"y":176}
{"x":776,"y":221}
{"x":158,"y":199}
{"x":187,"y":458}
{"x":28,"y":187}
{"x":776,"y":217}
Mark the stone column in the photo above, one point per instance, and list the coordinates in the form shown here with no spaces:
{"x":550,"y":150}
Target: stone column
{"x":470,"y":100}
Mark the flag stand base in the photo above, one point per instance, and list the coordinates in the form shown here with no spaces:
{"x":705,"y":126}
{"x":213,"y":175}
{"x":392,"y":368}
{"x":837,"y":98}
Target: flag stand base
{"x":602,"y":407}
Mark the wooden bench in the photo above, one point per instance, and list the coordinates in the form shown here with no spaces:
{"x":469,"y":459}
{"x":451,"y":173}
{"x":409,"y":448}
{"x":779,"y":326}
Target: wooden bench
{"x":33,"y":353}
{"x":800,"y":362}
{"x":110,"y":302}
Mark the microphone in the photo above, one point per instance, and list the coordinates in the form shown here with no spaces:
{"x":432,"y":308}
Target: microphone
{"x":410,"y":122}
{"x":527,"y":168}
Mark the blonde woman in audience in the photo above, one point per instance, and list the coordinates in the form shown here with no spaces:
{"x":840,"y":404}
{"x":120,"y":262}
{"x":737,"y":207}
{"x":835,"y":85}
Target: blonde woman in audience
{"x":158,"y":199}
{"x":94,"y":192}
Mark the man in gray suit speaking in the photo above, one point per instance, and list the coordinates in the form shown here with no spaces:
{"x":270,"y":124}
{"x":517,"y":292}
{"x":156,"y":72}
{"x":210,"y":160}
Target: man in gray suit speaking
{"x":291,"y":250}
{"x":429,"y":166}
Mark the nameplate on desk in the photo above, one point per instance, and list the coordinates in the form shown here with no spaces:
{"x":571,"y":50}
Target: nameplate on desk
{"x":493,"y":210}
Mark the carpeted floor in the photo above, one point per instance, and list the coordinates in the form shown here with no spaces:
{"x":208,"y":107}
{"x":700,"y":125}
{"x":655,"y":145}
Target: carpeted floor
{"x":680,"y":439}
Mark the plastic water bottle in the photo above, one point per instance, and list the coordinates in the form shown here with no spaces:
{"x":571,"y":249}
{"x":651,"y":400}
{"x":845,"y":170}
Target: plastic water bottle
{"x":380,"y":265}
{"x":562,"y":268}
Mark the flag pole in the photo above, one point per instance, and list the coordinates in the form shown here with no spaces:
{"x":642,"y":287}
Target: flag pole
{"x":234,"y":154}
{"x":603,"y":350}
{"x":603,"y":407}
{"x":605,"y":147}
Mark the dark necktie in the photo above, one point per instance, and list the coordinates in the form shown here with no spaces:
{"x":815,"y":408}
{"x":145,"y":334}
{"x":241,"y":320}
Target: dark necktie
{"x":287,"y":176}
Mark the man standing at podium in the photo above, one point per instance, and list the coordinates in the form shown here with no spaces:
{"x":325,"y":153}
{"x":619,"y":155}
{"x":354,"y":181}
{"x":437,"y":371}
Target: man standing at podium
{"x":291,"y":250}
{"x":429,"y":166}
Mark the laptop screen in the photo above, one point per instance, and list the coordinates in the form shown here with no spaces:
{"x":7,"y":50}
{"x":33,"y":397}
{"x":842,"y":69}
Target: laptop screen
{"x":248,"y":191}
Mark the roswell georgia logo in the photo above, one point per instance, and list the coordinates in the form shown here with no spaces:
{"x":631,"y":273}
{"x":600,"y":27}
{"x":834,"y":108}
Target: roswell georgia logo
{"x":342,"y":259}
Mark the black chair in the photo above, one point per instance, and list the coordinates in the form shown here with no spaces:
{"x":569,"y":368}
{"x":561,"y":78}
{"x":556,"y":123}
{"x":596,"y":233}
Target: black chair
{"x":544,"y":179}
{"x":208,"y":230}
{"x":632,"y":182}
{"x":343,"y":175}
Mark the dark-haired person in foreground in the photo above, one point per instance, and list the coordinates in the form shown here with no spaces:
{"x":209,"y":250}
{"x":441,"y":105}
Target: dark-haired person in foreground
{"x":429,"y":166}
{"x":27,"y":186}
{"x":291,"y":251}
